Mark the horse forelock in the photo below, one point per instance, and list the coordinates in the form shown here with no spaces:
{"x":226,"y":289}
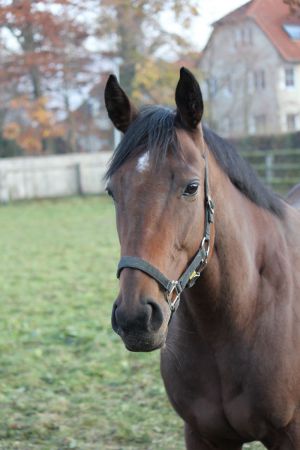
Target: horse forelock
{"x":153,"y":133}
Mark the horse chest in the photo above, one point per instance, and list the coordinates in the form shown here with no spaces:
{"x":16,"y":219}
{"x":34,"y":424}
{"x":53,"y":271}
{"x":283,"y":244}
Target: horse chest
{"x":195,"y":391}
{"x":219,"y":401}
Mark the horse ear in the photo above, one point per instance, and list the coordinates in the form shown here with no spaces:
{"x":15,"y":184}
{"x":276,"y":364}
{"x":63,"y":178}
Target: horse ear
{"x":120,"y":110}
{"x":188,"y":99}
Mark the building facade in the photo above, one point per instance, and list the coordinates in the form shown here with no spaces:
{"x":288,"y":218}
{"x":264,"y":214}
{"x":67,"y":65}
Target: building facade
{"x":251,"y":67}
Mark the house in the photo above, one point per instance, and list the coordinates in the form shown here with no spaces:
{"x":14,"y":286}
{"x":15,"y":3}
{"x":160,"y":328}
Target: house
{"x":251,"y":66}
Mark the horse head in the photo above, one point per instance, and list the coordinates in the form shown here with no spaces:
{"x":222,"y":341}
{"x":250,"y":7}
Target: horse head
{"x":159,"y":183}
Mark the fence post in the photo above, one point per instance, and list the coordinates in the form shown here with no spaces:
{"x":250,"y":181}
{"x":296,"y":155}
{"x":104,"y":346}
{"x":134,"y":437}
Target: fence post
{"x":269,"y":160}
{"x":78,"y":180}
{"x":4,"y":192}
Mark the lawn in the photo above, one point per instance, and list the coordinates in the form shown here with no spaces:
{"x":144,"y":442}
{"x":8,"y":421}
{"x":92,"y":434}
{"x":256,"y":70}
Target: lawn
{"x":66,"y":380}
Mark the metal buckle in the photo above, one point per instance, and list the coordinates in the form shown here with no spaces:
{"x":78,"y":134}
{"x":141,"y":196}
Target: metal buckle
{"x":205,"y":244}
{"x":173,"y":302}
{"x":193,"y":278}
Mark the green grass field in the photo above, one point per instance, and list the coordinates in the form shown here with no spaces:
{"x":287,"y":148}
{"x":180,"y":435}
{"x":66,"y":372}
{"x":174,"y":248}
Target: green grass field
{"x":67,"y":381}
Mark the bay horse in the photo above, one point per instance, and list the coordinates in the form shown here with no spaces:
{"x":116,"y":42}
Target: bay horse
{"x":196,"y":226}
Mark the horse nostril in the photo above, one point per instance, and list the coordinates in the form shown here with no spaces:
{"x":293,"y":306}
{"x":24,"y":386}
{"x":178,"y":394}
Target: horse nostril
{"x":114,"y":319}
{"x":156,"y":319}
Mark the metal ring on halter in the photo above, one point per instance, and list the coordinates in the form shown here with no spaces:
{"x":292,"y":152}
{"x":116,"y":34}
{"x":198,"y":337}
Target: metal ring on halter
{"x":173,"y":303}
{"x":206,"y":242}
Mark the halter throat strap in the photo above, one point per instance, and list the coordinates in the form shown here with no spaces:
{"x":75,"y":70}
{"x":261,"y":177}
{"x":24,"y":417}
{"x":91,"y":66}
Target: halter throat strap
{"x":173,"y":289}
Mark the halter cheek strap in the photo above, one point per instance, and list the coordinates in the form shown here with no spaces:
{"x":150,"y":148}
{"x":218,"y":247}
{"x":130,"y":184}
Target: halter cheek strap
{"x":173,"y":289}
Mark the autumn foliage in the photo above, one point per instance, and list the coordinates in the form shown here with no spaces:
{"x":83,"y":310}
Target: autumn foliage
{"x":39,"y":66}
{"x":38,"y":124}
{"x":46,"y":64}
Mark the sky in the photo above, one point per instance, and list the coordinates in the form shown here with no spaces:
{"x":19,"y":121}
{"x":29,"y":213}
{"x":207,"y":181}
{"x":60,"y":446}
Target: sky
{"x":210,"y":11}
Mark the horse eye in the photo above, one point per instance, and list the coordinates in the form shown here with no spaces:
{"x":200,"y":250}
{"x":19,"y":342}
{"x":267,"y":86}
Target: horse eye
{"x":191,"y":189}
{"x":109,"y":192}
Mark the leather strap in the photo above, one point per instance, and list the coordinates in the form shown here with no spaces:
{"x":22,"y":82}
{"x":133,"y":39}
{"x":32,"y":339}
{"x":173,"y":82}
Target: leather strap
{"x":133,"y":262}
{"x":194,"y":269}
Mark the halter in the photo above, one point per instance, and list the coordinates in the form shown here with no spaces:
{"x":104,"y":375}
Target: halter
{"x":173,"y":289}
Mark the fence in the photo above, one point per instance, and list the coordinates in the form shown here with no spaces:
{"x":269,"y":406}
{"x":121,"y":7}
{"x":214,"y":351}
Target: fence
{"x":280,"y":169}
{"x":52,"y":176}
{"x":79,"y":174}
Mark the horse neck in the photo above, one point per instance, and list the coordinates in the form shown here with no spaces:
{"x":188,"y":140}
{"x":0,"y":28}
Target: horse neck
{"x":247,"y":238}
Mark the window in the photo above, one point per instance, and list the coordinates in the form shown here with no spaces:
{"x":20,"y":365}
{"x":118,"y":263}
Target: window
{"x":227,"y":84}
{"x":250,"y":82}
{"x":293,"y":31}
{"x":212,"y":86}
{"x":260,"y":123}
{"x":248,"y":36}
{"x":291,"y":122}
{"x":237,"y":36}
{"x":243,"y":35}
{"x":259,"y":80}
{"x":289,"y":77}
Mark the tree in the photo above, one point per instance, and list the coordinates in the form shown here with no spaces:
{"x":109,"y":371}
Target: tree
{"x":37,"y":126}
{"x":156,"y":78}
{"x":136,"y":31}
{"x":44,"y":63}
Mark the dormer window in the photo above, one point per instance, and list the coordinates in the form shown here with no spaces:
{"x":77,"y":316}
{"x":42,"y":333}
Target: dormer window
{"x":293,"y":31}
{"x":243,"y":35}
{"x":259,"y":79}
{"x":289,"y":77}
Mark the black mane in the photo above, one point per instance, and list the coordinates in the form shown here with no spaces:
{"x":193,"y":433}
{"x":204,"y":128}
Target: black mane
{"x":154,"y":131}
{"x":241,"y":173}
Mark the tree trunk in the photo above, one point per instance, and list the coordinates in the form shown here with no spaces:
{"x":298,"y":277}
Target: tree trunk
{"x":71,"y":133}
{"x":129,"y":32}
{"x":36,"y":82}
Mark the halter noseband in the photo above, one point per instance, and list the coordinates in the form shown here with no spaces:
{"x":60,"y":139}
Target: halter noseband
{"x":173,"y":289}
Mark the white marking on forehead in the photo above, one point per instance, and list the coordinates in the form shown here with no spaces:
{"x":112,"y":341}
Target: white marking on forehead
{"x":143,"y":163}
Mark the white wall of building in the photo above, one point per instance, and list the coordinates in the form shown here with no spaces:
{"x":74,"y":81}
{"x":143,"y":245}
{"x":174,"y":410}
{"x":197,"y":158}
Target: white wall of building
{"x":240,"y":51}
{"x":289,"y":96}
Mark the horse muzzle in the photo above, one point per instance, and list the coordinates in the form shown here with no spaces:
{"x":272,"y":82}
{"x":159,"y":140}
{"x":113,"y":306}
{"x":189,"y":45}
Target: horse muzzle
{"x":142,"y":328}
